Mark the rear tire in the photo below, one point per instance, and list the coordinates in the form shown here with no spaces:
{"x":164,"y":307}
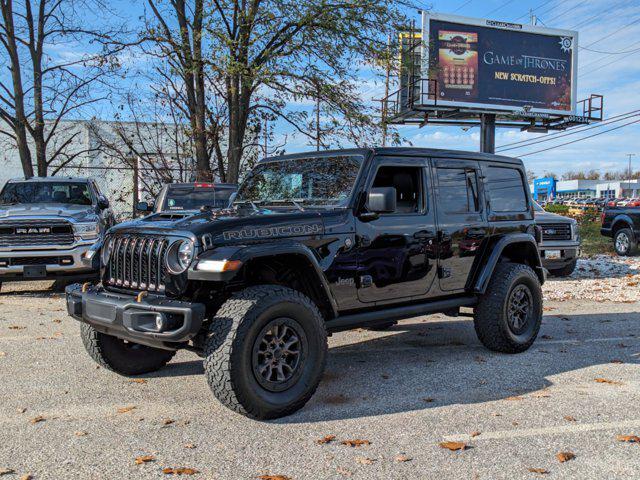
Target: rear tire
{"x":125,"y":358}
{"x":508,"y":316}
{"x":565,"y":271}
{"x":266,"y":351}
{"x":624,"y":242}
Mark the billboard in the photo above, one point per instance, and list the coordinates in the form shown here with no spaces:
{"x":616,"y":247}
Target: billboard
{"x":493,"y":65}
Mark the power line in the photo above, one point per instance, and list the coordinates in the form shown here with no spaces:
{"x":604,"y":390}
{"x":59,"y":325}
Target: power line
{"x":598,"y":15}
{"x":499,"y":8}
{"x":533,"y":10}
{"x":579,"y":139}
{"x":462,"y":6}
{"x":555,"y":135}
{"x":613,"y":33}
{"x":535,"y":141}
{"x":598,"y":60}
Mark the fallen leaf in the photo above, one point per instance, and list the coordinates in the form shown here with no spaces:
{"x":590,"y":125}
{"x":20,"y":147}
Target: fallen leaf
{"x":569,"y":418}
{"x":179,"y":471}
{"x":514,"y":398}
{"x":546,"y":337}
{"x":541,"y":471}
{"x":21,"y":410}
{"x":428,"y":399}
{"x":189,"y":445}
{"x":37,"y":419}
{"x":628,"y":438}
{"x":3,"y":354}
{"x":475,"y":434}
{"x":274,"y":477}
{"x":167,"y":421}
{"x":365,"y":460}
{"x":57,"y":320}
{"x":6,"y":471}
{"x":80,"y":433}
{"x":27,"y":476}
{"x":16,"y":327}
{"x":126,"y":409}
{"x":403,"y":458}
{"x":144,"y":459}
{"x":616,"y":361}
{"x":565,"y":456}
{"x":355,"y":443}
{"x":326,"y":439}
{"x":454,"y":446}
{"x":606,"y":380}
{"x":138,"y":380}
{"x":385,"y":376}
{"x":344,"y":472}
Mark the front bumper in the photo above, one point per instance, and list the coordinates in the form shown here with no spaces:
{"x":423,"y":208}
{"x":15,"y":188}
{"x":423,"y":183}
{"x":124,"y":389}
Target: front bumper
{"x":155,"y":321}
{"x":55,"y":262}
{"x":569,"y":251}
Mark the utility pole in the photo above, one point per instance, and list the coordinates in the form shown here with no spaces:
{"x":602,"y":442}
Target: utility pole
{"x":317,"y":116}
{"x":630,"y":155}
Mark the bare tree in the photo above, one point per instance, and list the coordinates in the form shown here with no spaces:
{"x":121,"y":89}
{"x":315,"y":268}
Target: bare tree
{"x":44,"y":88}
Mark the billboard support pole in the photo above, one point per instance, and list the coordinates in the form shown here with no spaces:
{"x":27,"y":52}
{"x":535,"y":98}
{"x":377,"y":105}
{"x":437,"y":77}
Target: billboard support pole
{"x":488,"y":133}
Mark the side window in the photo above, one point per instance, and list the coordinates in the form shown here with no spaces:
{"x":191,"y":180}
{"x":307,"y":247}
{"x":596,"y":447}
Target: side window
{"x":506,"y":189}
{"x":408,"y":184}
{"x":458,"y":190}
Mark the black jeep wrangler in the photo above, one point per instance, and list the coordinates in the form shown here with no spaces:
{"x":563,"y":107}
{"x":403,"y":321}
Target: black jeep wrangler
{"x":314,"y":244}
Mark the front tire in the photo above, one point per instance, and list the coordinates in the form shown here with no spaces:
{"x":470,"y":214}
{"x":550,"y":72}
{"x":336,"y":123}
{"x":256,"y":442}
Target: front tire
{"x":624,"y":242}
{"x":125,"y":358}
{"x":565,"y":271}
{"x":508,"y":316}
{"x":266,"y":351}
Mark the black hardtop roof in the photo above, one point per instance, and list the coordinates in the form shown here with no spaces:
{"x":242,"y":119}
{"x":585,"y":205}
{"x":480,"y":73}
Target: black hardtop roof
{"x":193,"y":184}
{"x":403,"y":151}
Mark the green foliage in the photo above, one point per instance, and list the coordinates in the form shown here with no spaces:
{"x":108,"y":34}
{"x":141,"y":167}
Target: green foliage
{"x":592,"y":242}
{"x":559,"y":209}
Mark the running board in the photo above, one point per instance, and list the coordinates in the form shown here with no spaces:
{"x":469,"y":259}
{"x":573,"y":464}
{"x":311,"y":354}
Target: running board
{"x":367,"y":319}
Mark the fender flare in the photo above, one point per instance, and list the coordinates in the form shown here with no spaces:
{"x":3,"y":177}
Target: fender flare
{"x":488,"y":265}
{"x":622,"y":218}
{"x":247,"y":253}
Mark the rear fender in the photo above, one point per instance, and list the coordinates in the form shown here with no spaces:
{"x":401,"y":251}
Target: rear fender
{"x":519,"y":247}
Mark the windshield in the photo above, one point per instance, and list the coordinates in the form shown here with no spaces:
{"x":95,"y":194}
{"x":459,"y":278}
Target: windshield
{"x":193,"y":198}
{"x":537,"y":207}
{"x":75,"y":193}
{"x":315,"y":181}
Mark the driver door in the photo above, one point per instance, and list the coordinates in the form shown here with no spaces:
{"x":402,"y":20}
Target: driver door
{"x":396,"y":250}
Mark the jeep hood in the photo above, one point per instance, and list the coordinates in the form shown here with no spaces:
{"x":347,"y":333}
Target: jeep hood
{"x":76,"y":213}
{"x":232,"y":226}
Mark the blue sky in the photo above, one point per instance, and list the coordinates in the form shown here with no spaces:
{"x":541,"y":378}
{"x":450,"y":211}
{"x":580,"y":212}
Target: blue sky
{"x":611,"y":26}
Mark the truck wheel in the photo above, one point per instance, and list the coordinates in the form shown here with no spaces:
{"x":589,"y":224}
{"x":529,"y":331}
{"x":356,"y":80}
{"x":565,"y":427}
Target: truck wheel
{"x":266,"y":351}
{"x":508,"y":316}
{"x":566,"y":270}
{"x":624,"y":242}
{"x":117,"y":355}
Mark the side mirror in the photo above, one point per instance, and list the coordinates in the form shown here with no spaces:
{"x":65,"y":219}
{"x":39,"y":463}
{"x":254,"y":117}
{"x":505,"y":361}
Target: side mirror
{"x":382,"y":200}
{"x":144,"y":207}
{"x":103,"y":203}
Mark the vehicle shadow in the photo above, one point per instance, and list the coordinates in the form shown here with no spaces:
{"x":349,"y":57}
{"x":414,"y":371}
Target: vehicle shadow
{"x":432,"y":362}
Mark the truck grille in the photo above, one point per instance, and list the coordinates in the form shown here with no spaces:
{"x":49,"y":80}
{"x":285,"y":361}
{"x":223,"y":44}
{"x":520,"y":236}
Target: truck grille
{"x":137,"y":262}
{"x":556,"y":231}
{"x":33,"y":232}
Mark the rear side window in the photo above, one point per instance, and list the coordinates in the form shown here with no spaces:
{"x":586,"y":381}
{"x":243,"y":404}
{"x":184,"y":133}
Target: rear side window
{"x":506,"y":190}
{"x":458,"y":190}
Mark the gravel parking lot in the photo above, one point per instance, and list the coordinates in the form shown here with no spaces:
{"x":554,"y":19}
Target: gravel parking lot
{"x":402,"y":392}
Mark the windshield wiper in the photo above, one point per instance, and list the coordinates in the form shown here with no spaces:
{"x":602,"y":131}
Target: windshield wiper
{"x":254,"y":204}
{"x":295,"y":202}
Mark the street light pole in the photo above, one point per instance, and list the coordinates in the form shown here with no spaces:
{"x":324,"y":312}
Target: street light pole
{"x":630,"y":155}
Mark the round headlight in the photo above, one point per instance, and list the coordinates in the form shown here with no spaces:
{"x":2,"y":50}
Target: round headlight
{"x":179,"y":256}
{"x":107,"y":247}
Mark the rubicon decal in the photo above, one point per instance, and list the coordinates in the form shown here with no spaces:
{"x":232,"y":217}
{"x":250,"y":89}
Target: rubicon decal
{"x":271,"y":232}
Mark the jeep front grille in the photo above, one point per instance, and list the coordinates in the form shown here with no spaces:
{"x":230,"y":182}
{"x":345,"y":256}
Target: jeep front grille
{"x":34,"y":232}
{"x":137,"y":262}
{"x":556,"y":231}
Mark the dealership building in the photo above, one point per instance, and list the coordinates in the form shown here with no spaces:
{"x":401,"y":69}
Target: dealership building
{"x":548,"y":188}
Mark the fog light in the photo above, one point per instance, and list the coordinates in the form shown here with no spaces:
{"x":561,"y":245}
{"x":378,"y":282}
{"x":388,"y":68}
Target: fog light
{"x":4,"y":263}
{"x":218,"y":265}
{"x":161,"y":324}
